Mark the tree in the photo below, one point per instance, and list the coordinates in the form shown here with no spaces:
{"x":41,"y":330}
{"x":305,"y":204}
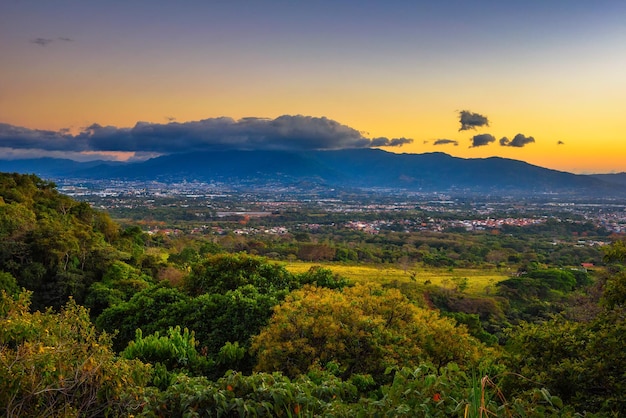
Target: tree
{"x":363,"y":329}
{"x":223,"y":272}
{"x":581,"y":362}
{"x":615,"y":282}
{"x":153,"y":309}
{"x":52,"y":244}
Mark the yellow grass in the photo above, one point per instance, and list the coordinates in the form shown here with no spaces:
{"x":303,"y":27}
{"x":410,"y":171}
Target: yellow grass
{"x":479,"y":280}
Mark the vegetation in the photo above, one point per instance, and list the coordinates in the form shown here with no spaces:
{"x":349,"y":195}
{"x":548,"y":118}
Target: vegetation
{"x":187,"y":326}
{"x":57,"y":364}
{"x":362,"y":330}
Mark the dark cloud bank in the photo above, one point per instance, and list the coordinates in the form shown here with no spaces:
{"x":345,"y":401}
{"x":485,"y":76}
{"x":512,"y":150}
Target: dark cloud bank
{"x":283,"y":133}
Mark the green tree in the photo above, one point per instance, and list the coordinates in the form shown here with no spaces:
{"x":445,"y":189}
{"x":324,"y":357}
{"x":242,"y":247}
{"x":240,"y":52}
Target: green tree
{"x":52,"y":244}
{"x":223,"y":272}
{"x":364,"y":329}
{"x":154,"y":309}
{"x":581,"y":362}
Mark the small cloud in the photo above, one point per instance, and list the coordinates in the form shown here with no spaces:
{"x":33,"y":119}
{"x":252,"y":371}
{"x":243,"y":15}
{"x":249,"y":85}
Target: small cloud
{"x":48,"y":41}
{"x":42,"y":41}
{"x":518,"y":141}
{"x":482,"y":140}
{"x":560,"y":143}
{"x":393,"y":142}
{"x":446,"y":142}
{"x":471,"y":120}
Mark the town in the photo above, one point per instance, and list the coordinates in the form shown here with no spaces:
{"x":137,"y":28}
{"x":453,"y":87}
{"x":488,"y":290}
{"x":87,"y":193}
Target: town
{"x":221,"y":208}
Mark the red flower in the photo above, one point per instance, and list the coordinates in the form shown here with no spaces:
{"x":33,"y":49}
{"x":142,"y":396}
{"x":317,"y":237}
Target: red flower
{"x":229,"y":387}
{"x":436,"y":397}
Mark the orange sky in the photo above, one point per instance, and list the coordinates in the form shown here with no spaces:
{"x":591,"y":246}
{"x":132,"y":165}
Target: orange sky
{"x":555,"y":72}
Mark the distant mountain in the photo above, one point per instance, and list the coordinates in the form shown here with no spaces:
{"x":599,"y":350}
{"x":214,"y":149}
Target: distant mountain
{"x":344,"y":168}
{"x":618,"y":178}
{"x":51,"y":167}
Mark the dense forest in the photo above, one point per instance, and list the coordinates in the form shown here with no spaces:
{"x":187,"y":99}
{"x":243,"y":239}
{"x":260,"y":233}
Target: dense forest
{"x":99,"y":319}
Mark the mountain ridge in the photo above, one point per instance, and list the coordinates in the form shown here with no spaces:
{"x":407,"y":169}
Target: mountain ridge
{"x":360,"y":168}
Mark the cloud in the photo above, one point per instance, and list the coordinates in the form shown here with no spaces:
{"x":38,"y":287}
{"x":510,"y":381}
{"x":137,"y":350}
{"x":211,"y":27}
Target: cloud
{"x":24,"y":138}
{"x":48,"y":41}
{"x":518,"y":141}
{"x":482,"y":140}
{"x":386,"y":142}
{"x":446,"y":141}
{"x":470,"y":120}
{"x":42,"y":41}
{"x":283,"y":133}
{"x":21,"y":154}
{"x":560,"y":143}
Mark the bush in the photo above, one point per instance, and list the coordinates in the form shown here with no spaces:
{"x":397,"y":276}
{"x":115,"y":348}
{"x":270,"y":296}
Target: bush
{"x":56,"y":364}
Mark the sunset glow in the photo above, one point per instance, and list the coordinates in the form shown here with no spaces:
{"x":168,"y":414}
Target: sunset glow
{"x":553,"y":71}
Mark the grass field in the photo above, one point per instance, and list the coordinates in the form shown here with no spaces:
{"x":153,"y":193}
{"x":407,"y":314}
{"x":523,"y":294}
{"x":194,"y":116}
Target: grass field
{"x":478,"y":280}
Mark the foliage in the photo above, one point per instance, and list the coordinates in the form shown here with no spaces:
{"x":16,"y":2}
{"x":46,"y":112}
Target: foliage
{"x":615,"y":284}
{"x":420,"y":391}
{"x":223,"y":272}
{"x":363,"y":329}
{"x":615,"y":290}
{"x":451,"y":392}
{"x":557,"y":279}
{"x":154,"y":309}
{"x":582,"y":363}
{"x":52,"y":244}
{"x":175,"y":350}
{"x":230,"y":318}
{"x":8,"y":284}
{"x":538,"y":294}
{"x":260,"y":394}
{"x":119,"y":283}
{"x":484,"y":316}
{"x":56,"y":364}
{"x":216,"y":319}
{"x":185,"y":258}
{"x":323,"y":277}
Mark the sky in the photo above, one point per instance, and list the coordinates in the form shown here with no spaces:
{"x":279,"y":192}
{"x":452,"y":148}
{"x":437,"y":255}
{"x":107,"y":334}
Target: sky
{"x":538,"y":81}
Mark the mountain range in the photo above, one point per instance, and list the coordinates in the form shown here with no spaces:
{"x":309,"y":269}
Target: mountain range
{"x":354,"y":168}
